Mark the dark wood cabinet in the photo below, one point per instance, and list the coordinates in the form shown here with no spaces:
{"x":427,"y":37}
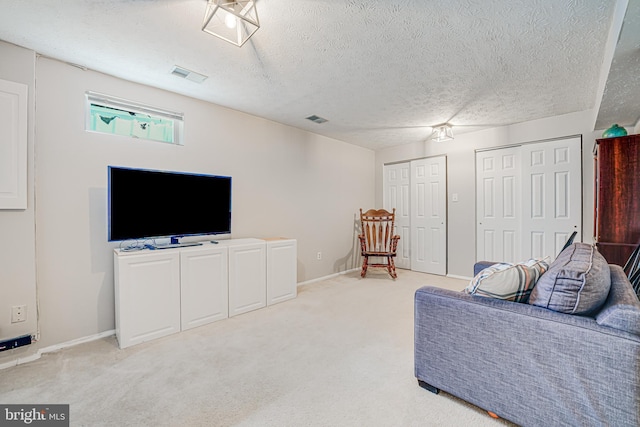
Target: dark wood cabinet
{"x":617,"y":203}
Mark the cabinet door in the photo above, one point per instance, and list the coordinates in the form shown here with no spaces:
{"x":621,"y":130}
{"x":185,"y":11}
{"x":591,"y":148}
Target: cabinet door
{"x":282,"y":280}
{"x":618,"y":205}
{"x":247,"y":278}
{"x":203,"y":279}
{"x":147,"y":296}
{"x":13,"y":145}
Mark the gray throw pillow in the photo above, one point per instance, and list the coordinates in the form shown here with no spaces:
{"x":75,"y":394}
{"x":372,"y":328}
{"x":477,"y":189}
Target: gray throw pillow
{"x":577,"y":282}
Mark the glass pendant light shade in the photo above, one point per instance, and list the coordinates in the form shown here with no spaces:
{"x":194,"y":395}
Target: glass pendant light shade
{"x":443,"y":132}
{"x":233,"y":21}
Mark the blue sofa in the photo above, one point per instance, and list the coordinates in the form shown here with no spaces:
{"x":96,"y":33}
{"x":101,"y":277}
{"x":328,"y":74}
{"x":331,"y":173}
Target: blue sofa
{"x":531,"y":365}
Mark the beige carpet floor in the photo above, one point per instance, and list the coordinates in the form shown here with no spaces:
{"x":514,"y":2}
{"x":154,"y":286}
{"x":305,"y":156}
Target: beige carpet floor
{"x":340,"y":354}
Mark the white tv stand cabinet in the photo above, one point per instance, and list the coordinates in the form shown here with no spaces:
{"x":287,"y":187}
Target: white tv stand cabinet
{"x":161,"y":292}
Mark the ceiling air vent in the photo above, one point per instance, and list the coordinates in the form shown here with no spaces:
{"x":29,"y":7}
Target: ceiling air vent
{"x":188,"y":74}
{"x":317,"y":119}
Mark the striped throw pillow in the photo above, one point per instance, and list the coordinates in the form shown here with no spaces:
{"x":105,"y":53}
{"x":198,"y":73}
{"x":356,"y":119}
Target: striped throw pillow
{"x":512,"y":282}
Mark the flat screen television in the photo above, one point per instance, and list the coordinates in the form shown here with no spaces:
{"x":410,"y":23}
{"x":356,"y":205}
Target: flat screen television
{"x":146,"y":203}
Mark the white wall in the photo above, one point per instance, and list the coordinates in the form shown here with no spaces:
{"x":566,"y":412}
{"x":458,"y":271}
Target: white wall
{"x":461,"y":175}
{"x":286,"y":182}
{"x":17,"y":227}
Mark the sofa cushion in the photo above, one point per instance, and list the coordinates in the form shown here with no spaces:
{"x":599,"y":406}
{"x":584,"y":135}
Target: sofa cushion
{"x":512,"y":282}
{"x":621,"y":310}
{"x":577,"y":282}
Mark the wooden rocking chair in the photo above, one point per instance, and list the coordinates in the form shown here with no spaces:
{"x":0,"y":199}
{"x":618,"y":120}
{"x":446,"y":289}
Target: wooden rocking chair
{"x":377,"y":239}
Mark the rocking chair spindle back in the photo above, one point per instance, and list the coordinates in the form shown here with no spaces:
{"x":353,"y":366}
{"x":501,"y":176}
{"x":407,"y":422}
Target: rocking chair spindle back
{"x":378,"y":239}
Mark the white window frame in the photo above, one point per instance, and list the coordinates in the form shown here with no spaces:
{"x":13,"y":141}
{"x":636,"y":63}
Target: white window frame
{"x":108,"y":101}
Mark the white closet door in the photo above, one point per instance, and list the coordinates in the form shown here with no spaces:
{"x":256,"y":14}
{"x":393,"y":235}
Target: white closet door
{"x":529,"y":199}
{"x":396,"y":195}
{"x":429,"y":215}
{"x":552,"y":196}
{"x":498,"y":208}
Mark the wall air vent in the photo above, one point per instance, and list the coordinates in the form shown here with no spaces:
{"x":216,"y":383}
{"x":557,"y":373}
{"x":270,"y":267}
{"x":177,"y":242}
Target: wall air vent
{"x":188,"y":74}
{"x":317,"y":119}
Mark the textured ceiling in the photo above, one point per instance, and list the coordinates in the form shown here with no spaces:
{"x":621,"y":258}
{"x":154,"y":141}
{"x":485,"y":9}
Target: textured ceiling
{"x":382,"y":72}
{"x":621,"y":99}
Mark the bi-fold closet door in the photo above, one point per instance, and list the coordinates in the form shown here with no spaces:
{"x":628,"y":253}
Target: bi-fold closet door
{"x":417,"y":189}
{"x":529,"y":199}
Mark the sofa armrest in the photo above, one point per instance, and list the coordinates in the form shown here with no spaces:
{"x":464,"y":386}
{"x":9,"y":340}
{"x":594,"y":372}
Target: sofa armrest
{"x":527,"y":364}
{"x":621,"y":310}
{"x":481,"y":265}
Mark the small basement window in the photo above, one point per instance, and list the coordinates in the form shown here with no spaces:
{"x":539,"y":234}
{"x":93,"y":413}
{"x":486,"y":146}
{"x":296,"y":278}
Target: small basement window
{"x":117,"y":116}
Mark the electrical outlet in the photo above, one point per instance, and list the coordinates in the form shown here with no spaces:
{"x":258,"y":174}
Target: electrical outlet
{"x":319,"y":256}
{"x":18,"y":313}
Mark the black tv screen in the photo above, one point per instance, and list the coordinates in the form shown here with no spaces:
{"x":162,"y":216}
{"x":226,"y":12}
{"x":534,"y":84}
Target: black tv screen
{"x":151,"y":204}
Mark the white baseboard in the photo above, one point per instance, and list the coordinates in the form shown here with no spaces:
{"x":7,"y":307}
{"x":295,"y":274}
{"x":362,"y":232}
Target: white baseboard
{"x":453,"y":276}
{"x":330,"y":276}
{"x":77,"y":341}
{"x":20,"y":361}
{"x":56,"y":347}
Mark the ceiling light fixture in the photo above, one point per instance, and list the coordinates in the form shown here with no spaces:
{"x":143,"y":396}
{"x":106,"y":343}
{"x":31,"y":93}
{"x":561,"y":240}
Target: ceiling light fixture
{"x":233,"y":21}
{"x":443,"y":132}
